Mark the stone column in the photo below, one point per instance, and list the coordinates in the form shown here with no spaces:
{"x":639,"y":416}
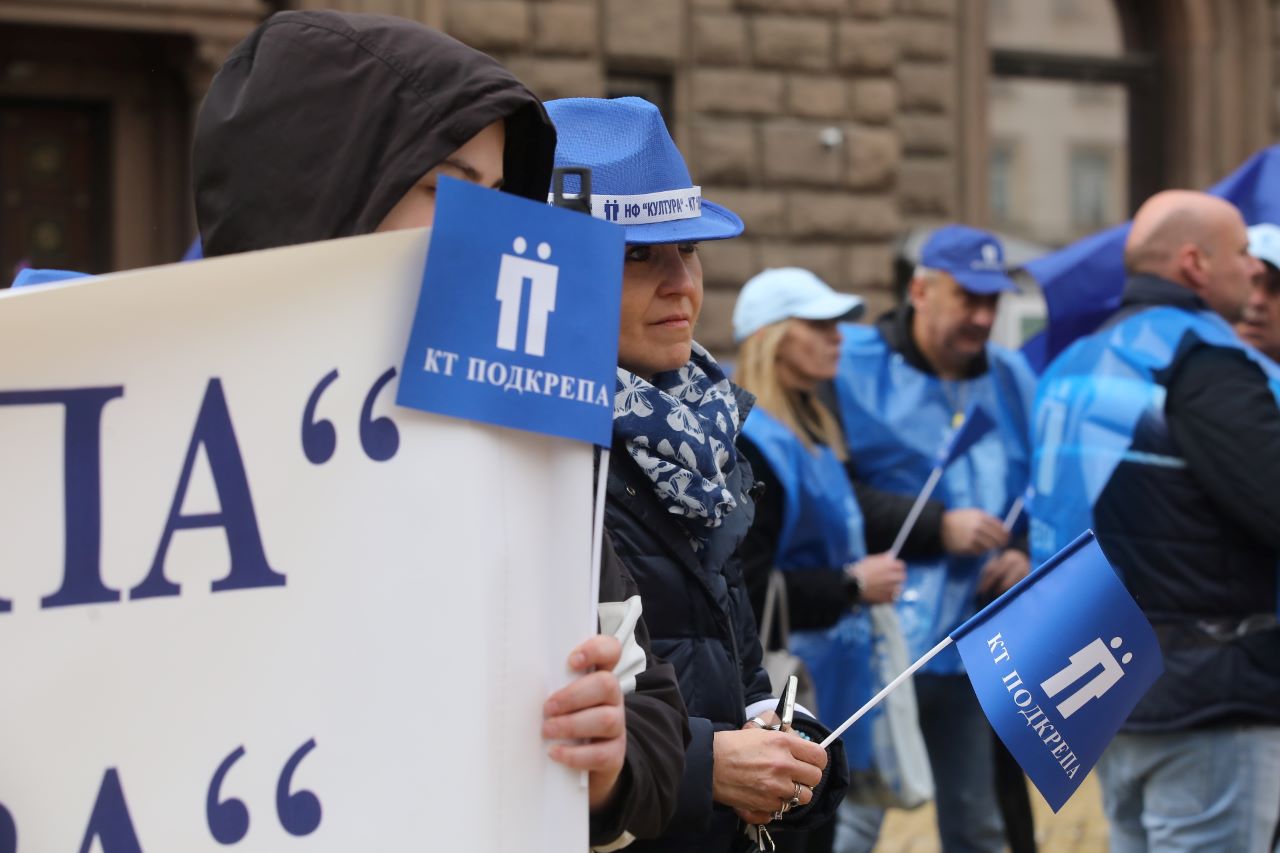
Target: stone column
{"x":928,"y":80}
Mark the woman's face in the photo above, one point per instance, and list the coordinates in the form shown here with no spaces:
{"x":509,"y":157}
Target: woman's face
{"x":479,"y":161}
{"x":808,"y":353}
{"x":661,"y":299}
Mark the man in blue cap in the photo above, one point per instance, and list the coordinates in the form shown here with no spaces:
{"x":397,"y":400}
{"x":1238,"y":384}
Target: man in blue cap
{"x":904,"y":385}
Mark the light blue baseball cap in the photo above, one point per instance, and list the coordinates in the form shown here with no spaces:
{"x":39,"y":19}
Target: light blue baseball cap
{"x":1264,"y":243}
{"x":780,"y":294}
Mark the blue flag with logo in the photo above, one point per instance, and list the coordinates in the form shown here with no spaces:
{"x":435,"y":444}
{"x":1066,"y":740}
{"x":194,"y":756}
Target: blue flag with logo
{"x":975,"y":425}
{"x":517,"y":322}
{"x":1058,"y":662}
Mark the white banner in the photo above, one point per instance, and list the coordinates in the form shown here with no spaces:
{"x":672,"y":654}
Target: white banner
{"x":246,"y":602}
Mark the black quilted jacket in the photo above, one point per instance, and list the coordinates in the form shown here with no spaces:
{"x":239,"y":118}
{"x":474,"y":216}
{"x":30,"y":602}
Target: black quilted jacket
{"x":700,"y":620}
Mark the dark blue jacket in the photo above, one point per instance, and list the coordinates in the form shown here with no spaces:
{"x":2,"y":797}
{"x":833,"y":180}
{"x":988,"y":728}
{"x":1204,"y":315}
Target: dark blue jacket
{"x":700,"y":621}
{"x":1197,"y":544}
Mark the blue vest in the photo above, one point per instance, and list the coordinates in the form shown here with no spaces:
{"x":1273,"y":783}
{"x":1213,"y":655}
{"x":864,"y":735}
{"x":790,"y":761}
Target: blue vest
{"x":822,"y":527}
{"x":1088,"y":407}
{"x":31,"y":277}
{"x":896,"y":418}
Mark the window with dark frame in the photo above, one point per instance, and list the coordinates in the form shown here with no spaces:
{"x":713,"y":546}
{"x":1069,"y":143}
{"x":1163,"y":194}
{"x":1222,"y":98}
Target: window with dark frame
{"x":1000,"y":184}
{"x":655,"y":88}
{"x":1091,"y":80}
{"x":1092,"y":176}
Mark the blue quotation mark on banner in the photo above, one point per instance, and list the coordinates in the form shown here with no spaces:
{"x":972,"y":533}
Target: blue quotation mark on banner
{"x":1058,"y":662}
{"x":299,"y":811}
{"x":517,"y":322}
{"x":8,"y":832}
{"x":111,"y":825}
{"x":87,"y":414}
{"x":379,"y":437}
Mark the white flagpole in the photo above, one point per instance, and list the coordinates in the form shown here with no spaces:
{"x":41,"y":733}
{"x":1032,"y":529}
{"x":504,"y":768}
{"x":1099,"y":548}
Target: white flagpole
{"x":1014,"y":511}
{"x":916,"y":509}
{"x":888,"y":688}
{"x":597,"y":543}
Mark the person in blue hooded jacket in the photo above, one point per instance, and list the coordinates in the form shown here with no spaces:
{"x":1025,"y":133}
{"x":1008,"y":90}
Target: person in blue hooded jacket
{"x":808,"y":521}
{"x":903,"y":386}
{"x":1161,"y":431}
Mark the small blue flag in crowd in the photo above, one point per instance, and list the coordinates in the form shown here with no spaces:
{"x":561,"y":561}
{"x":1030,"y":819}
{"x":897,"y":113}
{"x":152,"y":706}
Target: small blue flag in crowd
{"x":1058,"y":662}
{"x":975,"y":425}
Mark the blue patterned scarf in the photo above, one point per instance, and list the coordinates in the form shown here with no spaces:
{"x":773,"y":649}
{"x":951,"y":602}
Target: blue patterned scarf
{"x":680,"y":431}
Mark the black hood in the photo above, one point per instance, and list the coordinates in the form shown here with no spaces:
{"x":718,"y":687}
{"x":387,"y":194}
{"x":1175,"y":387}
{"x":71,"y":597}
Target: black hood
{"x":319,"y":122}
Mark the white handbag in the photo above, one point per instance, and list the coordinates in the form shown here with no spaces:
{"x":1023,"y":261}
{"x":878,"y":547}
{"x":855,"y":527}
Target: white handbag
{"x":902,"y":778}
{"x":780,"y":663}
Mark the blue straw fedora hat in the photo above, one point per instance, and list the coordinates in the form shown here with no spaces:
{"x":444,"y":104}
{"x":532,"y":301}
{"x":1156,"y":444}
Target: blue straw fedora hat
{"x":638,"y":178}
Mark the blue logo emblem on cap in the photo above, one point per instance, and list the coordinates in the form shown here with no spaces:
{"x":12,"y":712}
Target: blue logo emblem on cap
{"x":973,"y":257}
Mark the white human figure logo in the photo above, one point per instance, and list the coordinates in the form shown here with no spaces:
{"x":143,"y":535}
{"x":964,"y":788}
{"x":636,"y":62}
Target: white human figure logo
{"x":1083,"y":662}
{"x":542,"y":278}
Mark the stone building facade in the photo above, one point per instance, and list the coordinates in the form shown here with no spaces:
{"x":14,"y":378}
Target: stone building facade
{"x":830,"y":125}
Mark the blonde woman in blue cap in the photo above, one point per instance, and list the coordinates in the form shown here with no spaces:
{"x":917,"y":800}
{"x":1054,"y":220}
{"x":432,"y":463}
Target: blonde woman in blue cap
{"x":679,"y":497}
{"x":808,"y":521}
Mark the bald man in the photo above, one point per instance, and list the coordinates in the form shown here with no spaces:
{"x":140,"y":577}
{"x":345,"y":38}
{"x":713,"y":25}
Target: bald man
{"x":1161,"y":431}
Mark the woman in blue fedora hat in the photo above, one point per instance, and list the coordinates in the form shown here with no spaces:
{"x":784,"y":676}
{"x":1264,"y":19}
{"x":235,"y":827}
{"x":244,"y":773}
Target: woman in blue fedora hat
{"x":679,"y":499}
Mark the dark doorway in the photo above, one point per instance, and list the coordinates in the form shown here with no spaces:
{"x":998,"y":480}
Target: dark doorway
{"x":53,"y":168}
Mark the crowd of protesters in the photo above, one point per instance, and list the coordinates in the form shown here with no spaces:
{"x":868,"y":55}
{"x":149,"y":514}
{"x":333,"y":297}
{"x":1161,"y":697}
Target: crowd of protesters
{"x":802,"y":473}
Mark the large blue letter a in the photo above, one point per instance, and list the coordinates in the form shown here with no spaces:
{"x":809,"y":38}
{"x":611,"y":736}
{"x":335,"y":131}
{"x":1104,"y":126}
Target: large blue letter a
{"x":249,"y":567}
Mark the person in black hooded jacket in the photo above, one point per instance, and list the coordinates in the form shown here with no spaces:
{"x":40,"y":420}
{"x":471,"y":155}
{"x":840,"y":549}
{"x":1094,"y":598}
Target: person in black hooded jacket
{"x":325,"y":124}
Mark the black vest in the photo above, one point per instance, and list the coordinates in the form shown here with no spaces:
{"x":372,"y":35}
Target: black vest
{"x":1206,"y":585}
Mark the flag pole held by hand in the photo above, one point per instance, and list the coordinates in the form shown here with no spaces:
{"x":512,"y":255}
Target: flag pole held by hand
{"x":975,"y":425}
{"x":1014,"y":511}
{"x":885,"y":691}
{"x":916,"y":509}
{"x":597,"y":543}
